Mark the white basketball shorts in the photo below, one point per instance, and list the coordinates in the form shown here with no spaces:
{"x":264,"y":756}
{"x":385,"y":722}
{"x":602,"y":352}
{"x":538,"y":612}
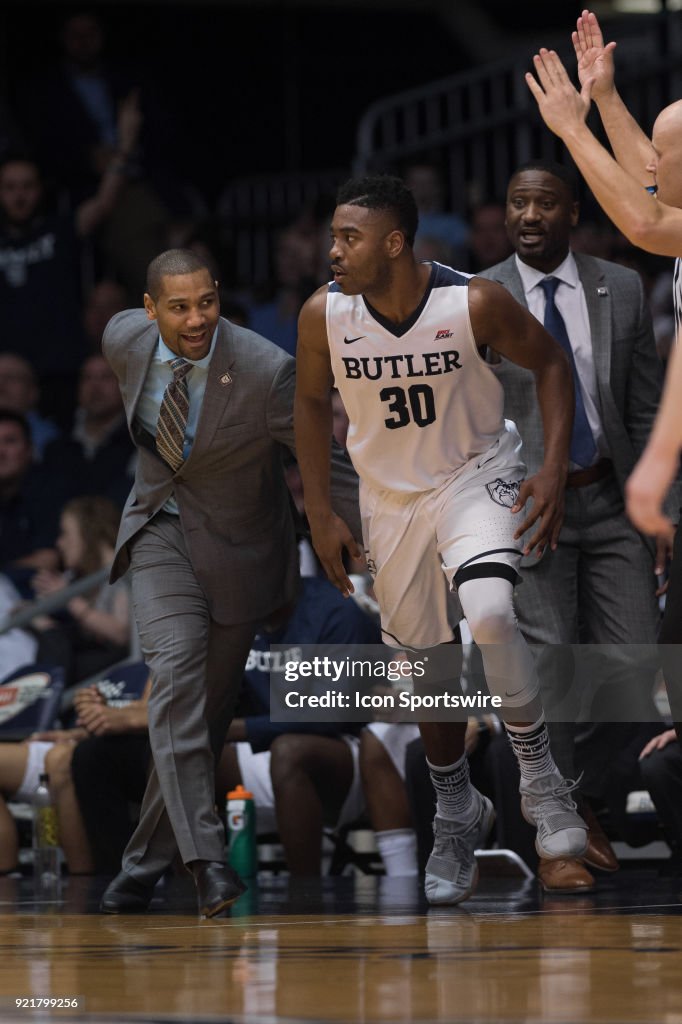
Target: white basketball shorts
{"x":421,"y":546}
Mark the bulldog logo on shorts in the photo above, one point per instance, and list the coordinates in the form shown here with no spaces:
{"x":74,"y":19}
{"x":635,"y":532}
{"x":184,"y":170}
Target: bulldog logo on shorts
{"x":504,"y":492}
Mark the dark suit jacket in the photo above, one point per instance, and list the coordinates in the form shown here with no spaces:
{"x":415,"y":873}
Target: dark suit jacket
{"x":629,"y":372}
{"x":233,"y":501}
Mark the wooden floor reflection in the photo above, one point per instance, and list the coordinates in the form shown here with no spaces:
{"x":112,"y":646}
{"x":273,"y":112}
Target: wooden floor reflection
{"x":350,"y":950}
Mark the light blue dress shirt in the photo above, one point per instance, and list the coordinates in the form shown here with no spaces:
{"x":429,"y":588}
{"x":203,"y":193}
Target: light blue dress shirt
{"x":158,"y":378}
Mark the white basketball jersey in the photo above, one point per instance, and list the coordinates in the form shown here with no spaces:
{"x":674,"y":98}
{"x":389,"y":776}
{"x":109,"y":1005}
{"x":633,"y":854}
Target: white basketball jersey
{"x":677,"y":298}
{"x":420,"y":399}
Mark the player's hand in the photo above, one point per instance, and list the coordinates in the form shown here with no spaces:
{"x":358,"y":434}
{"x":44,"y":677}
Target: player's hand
{"x":645,"y":490}
{"x":659,"y":742}
{"x":595,"y":61}
{"x":330,"y":535}
{"x":546,"y":489}
{"x":562,"y":108}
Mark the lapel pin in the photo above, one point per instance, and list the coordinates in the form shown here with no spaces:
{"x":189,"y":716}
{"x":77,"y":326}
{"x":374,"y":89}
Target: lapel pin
{"x":602,"y":291}
{"x":225,"y":379}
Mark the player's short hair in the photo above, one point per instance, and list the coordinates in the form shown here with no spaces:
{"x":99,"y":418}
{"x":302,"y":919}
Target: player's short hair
{"x":383,"y":192}
{"x":172,"y":263}
{"x":557,"y":170}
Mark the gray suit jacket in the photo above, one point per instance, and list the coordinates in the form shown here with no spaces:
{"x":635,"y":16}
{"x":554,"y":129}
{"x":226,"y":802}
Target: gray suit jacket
{"x":234,"y":504}
{"x":629,"y":372}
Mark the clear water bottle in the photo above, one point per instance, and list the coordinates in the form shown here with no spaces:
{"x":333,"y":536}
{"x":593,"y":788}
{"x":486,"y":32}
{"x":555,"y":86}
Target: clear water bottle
{"x":46,"y":867}
{"x":242,"y":852}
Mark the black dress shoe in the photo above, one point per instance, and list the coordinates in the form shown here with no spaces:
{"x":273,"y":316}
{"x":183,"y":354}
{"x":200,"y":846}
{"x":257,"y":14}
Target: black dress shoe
{"x":125,"y":895}
{"x":217,"y":886}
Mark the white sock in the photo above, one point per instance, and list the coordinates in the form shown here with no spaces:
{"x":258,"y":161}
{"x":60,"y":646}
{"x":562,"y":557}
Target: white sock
{"x":454,"y":792}
{"x":530,"y":743}
{"x":398,"y":849}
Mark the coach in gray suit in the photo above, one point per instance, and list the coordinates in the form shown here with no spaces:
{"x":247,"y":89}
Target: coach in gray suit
{"x":599,"y":585}
{"x":208,"y":535}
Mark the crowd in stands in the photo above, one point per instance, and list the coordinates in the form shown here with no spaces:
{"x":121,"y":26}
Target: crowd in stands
{"x":84,"y":206}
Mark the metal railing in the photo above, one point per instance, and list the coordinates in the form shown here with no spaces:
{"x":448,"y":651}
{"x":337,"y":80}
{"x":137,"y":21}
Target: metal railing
{"x":252,"y":210}
{"x":484,"y":123}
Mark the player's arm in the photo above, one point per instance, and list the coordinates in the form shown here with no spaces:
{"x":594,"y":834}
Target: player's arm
{"x":654,"y":473}
{"x":647,"y":223}
{"x":502,"y":324}
{"x":631,"y":147}
{"x":313,"y":431}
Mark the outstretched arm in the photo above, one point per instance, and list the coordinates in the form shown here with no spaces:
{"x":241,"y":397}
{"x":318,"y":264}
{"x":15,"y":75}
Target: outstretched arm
{"x":631,"y":147}
{"x":501,"y":323}
{"x":313,"y":431}
{"x":654,"y":473}
{"x":644,"y":220}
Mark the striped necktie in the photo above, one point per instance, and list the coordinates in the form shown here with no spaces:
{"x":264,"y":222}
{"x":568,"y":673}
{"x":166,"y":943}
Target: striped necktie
{"x":172,"y":421}
{"x":583,"y":447}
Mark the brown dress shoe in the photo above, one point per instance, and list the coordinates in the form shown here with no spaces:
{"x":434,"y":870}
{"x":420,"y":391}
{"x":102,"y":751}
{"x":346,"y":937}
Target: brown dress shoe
{"x":566,"y":875}
{"x":599,"y":853}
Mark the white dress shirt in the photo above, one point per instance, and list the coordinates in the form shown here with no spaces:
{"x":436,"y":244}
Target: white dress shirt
{"x":570,"y":301}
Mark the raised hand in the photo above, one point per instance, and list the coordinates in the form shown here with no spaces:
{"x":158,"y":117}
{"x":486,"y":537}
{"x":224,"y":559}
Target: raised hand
{"x":595,"y":61}
{"x":561,"y":106}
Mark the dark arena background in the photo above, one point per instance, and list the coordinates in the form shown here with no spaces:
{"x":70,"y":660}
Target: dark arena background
{"x":226,"y":129}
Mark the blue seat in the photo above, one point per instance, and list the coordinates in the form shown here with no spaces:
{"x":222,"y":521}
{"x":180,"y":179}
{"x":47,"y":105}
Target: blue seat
{"x":30,"y":699}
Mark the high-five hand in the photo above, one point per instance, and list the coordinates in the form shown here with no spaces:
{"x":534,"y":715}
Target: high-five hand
{"x":563,"y":109}
{"x":595,"y":61}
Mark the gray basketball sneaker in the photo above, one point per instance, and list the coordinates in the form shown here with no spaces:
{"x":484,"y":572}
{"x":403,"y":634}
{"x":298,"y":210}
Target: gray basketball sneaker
{"x":547,"y":804}
{"x":451,"y":871}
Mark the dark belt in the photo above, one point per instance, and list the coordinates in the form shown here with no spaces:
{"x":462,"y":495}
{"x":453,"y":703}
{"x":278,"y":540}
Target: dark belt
{"x":583,"y":477}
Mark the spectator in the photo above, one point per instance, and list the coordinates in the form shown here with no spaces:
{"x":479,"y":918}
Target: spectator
{"x":70,"y":112}
{"x":17,"y":646}
{"x":95,"y":630}
{"x":488,"y":240}
{"x":306,"y":775}
{"x":29,"y":508}
{"x":98,"y":457}
{"x":19,"y":392}
{"x":277,"y":317}
{"x":435,"y":222}
{"x":302,"y":775}
{"x":109,"y":771}
{"x":21,"y":765}
{"x":39,"y":266}
{"x":105,"y":300}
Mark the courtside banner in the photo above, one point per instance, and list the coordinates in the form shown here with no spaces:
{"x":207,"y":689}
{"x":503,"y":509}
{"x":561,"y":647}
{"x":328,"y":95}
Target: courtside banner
{"x":584,"y":683}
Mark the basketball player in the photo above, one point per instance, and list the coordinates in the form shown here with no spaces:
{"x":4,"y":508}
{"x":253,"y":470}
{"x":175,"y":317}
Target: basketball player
{"x":650,"y":217}
{"x":441,"y":484}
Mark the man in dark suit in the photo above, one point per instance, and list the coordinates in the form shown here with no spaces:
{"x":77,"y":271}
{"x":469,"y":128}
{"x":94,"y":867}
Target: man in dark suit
{"x":208,"y":535}
{"x":599,"y":584}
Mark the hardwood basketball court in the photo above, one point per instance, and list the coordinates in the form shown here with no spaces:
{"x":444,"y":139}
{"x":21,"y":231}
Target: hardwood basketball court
{"x":349,"y":949}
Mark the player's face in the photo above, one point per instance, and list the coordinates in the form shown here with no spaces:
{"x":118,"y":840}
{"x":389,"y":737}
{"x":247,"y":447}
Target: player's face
{"x":666,"y":166}
{"x":187,"y":312}
{"x":362,"y":243}
{"x":540,"y":215}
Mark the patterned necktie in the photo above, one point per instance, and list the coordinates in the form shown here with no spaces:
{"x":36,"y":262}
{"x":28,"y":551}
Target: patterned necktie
{"x":583,"y":448}
{"x":172,"y":421}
